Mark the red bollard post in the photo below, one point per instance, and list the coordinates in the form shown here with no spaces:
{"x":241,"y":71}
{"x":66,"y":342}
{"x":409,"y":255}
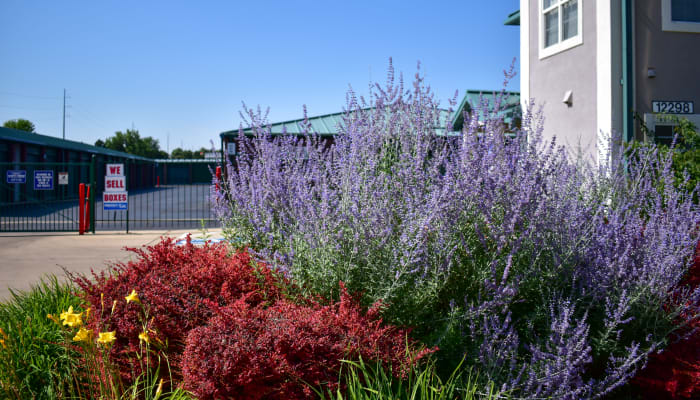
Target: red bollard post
{"x":87,"y":210}
{"x":218,"y":178}
{"x":81,"y":209}
{"x":158,"y":181}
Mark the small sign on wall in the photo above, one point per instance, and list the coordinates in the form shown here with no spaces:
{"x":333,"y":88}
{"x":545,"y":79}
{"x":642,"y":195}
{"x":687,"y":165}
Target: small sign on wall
{"x":16,"y":176}
{"x":63,"y":178}
{"x":43,"y":180}
{"x":673,"y":107}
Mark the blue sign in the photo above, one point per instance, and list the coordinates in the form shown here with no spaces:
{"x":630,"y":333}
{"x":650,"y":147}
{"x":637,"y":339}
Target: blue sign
{"x":17,"y":176}
{"x":43,"y":180}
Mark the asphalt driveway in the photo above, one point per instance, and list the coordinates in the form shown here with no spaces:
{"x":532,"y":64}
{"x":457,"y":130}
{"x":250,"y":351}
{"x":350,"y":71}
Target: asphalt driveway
{"x":25,"y":257}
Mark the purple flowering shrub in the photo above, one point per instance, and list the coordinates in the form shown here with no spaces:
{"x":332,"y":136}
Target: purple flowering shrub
{"x":553,"y":275}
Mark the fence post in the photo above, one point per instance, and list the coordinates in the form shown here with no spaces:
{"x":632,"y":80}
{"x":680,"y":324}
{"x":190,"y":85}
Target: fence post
{"x":93,"y":192}
{"x":87,"y":209}
{"x":126,"y":184}
{"x":81,"y":209}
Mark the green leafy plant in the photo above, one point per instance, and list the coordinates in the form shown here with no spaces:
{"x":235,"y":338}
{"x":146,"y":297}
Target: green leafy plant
{"x":34,"y":363}
{"x":360,"y":380}
{"x":685,"y":152}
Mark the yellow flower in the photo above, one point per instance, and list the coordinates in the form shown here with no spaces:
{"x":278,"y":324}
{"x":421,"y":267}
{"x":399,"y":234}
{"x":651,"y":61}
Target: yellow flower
{"x":53,"y":318}
{"x":87,"y":312}
{"x":71,"y":319}
{"x":64,"y":314}
{"x":144,"y":337}
{"x":2,"y":342}
{"x":83,"y":335}
{"x":102,"y":301}
{"x":114,"y":305}
{"x":107,"y":338}
{"x":132,"y":297}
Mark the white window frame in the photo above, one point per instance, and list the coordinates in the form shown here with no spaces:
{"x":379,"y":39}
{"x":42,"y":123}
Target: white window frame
{"x":667,"y":24}
{"x":561,"y":45}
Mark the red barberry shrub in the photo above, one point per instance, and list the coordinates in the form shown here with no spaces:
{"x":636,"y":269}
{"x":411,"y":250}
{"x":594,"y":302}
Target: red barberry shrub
{"x":675,"y":372}
{"x":178,"y":287}
{"x":251,"y":352}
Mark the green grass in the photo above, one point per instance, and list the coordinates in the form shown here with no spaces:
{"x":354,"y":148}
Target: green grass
{"x":34,"y":362}
{"x":365,"y":381}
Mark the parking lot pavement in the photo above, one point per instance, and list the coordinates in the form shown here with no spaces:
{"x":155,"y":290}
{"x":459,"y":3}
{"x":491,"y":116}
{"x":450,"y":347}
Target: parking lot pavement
{"x":26,"y":257}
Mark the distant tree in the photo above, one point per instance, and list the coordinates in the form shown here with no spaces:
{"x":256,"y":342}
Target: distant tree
{"x":100,"y":143}
{"x":20,"y":124}
{"x":131,"y":142}
{"x":180,"y":154}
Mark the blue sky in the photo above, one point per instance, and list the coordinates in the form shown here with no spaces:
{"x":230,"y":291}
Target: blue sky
{"x":180,"y":69}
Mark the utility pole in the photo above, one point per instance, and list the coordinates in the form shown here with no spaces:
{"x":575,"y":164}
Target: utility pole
{"x":64,"y":114}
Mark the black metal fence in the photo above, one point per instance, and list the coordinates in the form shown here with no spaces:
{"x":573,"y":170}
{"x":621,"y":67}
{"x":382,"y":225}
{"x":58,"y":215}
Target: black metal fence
{"x":161,"y":194}
{"x":40,"y":196}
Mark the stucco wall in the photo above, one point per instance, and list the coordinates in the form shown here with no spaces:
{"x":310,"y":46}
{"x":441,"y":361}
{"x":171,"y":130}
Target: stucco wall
{"x":573,"y":69}
{"x":674,"y":55}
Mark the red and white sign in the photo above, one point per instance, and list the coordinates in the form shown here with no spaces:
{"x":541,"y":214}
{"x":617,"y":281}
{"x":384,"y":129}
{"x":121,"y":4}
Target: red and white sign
{"x":115,"y":170}
{"x":119,"y":197}
{"x":115,"y":183}
{"x":115,"y":196}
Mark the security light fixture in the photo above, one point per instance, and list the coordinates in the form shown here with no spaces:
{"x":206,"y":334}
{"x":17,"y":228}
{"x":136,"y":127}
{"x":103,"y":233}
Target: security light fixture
{"x":568,"y":98}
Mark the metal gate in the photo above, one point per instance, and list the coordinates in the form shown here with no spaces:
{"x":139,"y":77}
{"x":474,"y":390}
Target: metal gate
{"x":162,"y":194}
{"x":41,"y":197}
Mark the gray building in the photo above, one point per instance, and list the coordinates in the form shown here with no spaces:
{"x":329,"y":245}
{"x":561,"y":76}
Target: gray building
{"x":594,"y":65}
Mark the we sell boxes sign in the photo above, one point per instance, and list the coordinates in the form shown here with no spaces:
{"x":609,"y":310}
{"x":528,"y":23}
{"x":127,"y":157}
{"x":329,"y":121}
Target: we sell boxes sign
{"x":115,"y":196}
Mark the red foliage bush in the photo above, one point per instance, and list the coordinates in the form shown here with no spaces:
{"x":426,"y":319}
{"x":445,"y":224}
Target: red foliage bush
{"x":252,"y":352}
{"x":229,"y":325}
{"x":179,"y":286}
{"x":675,"y":373}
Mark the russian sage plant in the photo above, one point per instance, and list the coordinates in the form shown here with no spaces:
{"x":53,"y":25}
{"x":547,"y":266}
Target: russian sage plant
{"x":555,"y":276}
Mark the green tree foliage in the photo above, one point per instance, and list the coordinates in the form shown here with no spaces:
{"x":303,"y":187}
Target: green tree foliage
{"x":131,"y":142}
{"x":685,"y":152}
{"x":686,"y":155}
{"x":20,"y":124}
{"x":180,"y":154}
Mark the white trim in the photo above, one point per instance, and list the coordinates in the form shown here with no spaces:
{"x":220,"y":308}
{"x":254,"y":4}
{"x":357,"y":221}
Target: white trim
{"x":603,"y":80}
{"x":667,"y":24}
{"x":562,"y":45}
{"x":524,"y":54}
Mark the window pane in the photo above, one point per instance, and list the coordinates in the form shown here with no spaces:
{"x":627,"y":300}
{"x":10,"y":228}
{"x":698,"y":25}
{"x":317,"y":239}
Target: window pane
{"x":685,"y":10}
{"x":551,"y":28}
{"x":569,"y":22}
{"x":663,"y":134}
{"x":548,"y":3}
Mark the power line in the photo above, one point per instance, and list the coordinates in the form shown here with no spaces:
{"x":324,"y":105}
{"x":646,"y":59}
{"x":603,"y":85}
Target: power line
{"x":27,"y":108}
{"x":30,"y":96}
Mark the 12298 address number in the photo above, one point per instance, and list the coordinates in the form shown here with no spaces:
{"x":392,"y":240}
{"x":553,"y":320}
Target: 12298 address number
{"x":673,"y":107}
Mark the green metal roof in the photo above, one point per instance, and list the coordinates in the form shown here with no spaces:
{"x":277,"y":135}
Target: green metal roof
{"x":323,"y":125}
{"x":510,"y":106}
{"x":513,"y":18}
{"x":50,"y":141}
{"x":329,"y":124}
